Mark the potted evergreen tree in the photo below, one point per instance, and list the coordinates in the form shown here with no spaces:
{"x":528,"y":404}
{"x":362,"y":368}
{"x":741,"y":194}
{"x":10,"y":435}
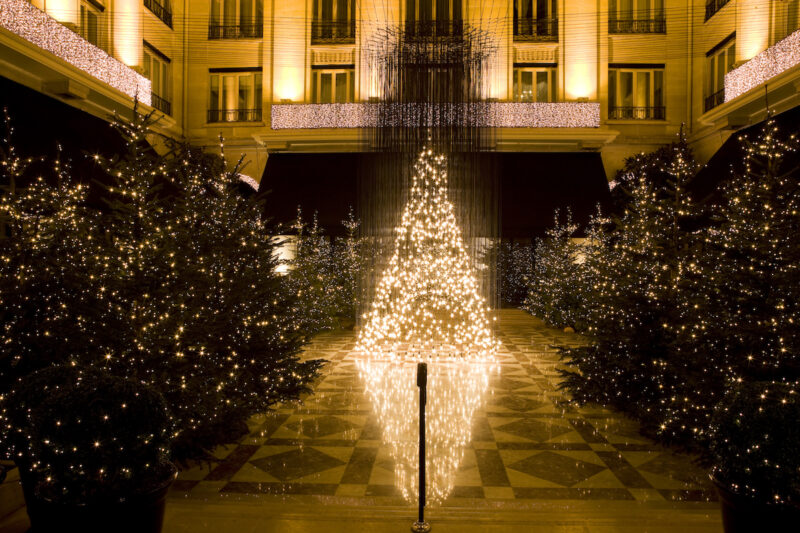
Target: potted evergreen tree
{"x":92,"y":449}
{"x":755,"y":438}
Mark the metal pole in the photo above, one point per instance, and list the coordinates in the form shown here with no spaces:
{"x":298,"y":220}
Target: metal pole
{"x":421,"y":526}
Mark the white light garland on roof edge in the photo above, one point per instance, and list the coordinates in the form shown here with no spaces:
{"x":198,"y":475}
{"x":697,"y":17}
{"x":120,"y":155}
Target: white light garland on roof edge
{"x":32,"y":24}
{"x":778,"y":58}
{"x":501,"y":115}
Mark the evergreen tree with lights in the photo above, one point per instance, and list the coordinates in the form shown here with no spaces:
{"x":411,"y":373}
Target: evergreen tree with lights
{"x":743,"y":291}
{"x":635,"y":307}
{"x":176,"y":287}
{"x":514,"y":271}
{"x":557,"y":290}
{"x":427,"y":302}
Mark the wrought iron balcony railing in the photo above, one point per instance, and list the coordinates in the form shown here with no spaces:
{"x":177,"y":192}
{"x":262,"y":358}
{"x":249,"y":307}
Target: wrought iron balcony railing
{"x":714,"y":100}
{"x":435,"y":28}
{"x":656,"y":24}
{"x":713,"y":6}
{"x":327,"y":32}
{"x":160,"y":11}
{"x":234,"y":115}
{"x":530,"y":29}
{"x":243,"y":30}
{"x":162,"y":104}
{"x":637,"y":113}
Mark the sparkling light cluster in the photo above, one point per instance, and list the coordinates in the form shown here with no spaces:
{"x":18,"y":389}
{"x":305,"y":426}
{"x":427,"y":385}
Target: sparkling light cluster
{"x":784,"y":55}
{"x":498,"y":114}
{"x":428,"y":302}
{"x":456,"y":388}
{"x":32,"y":24}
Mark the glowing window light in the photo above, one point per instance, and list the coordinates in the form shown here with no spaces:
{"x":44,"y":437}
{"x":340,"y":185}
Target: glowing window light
{"x":29,"y":22}
{"x":784,"y":55}
{"x":501,"y":115}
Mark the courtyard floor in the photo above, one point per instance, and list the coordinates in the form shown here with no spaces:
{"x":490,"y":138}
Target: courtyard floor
{"x":533,"y":460}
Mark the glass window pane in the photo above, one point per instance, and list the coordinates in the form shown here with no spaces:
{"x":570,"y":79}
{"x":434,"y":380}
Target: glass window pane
{"x":411,"y":14}
{"x":228,"y":92}
{"x":314,"y":87}
{"x":658,"y":9}
{"x":326,"y":88}
{"x":425,"y":10}
{"x":643,"y":8}
{"x":341,"y":10}
{"x":626,"y":88}
{"x":230,"y":13}
{"x":246,"y":12}
{"x":352,"y":96}
{"x":731,"y":56}
{"x":213,"y":99}
{"x":527,"y":85}
{"x":642,"y":89}
{"x":341,"y":88}
{"x":626,"y":9}
{"x":258,"y":92}
{"x":658,"y":88}
{"x":516,"y":84}
{"x":215,"y":7}
{"x":542,"y":89}
{"x":541,"y":9}
{"x":721,"y":71}
{"x":457,"y":9}
{"x":612,"y":88}
{"x":443,"y":10}
{"x":245,"y":100}
{"x":327,"y":10}
{"x":612,"y":9}
{"x":156,"y":85}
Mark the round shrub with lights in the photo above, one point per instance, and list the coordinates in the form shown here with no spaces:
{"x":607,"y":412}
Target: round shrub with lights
{"x":755,"y":438}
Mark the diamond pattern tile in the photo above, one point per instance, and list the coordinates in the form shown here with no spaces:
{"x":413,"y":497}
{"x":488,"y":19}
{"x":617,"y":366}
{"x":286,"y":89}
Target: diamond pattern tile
{"x":295,"y":464}
{"x":532,"y":429}
{"x":557,"y":468}
{"x":321,"y":426}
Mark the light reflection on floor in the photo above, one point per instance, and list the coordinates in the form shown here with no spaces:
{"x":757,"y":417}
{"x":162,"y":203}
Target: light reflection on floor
{"x":355,"y":437}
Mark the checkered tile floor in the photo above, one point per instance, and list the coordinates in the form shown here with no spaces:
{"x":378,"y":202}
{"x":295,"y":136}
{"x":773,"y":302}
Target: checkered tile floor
{"x":528,"y":442}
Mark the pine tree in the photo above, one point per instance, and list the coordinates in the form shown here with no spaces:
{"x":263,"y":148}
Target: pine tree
{"x":635,"y":310}
{"x":556,"y":290}
{"x":514,"y":271}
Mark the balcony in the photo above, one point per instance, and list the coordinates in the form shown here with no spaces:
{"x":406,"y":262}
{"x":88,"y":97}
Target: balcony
{"x":714,"y":100}
{"x":637,"y":113}
{"x":632,"y":25}
{"x":327,"y":32}
{"x":775,"y":60}
{"x":713,"y":6}
{"x":162,"y":104}
{"x":159,"y":11}
{"x":530,"y":29}
{"x":243,"y":30}
{"x":234,"y":115}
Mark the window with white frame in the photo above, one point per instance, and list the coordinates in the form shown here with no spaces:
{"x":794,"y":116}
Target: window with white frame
{"x":434,"y":16}
{"x":636,"y":92}
{"x":91,"y":22}
{"x":535,"y":83}
{"x":332,"y":85}
{"x":719,"y":61}
{"x":157,"y":69}
{"x":334,"y":21}
{"x":234,"y":96}
{"x":236,"y":19}
{"x":535,"y":20}
{"x":636,"y":16}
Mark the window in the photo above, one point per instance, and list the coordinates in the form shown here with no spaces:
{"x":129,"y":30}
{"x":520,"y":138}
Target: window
{"x":334,"y":22}
{"x":719,"y":61}
{"x":234,"y":96}
{"x":712,"y":6}
{"x":236,"y":19}
{"x":535,"y":84}
{"x":535,"y":20}
{"x":161,"y":9}
{"x":786,"y":15}
{"x":636,"y":16}
{"x":156,"y":69}
{"x":636,"y":93}
{"x":91,"y":17}
{"x":332,"y":85}
{"x":434,"y":17}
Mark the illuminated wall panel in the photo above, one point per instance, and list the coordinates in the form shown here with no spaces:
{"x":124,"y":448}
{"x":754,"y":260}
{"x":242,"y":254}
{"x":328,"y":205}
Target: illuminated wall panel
{"x":128,"y":31}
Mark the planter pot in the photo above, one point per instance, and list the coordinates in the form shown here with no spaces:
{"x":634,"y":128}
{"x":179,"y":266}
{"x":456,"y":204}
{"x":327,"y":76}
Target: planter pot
{"x":142,"y":512}
{"x":741,"y":514}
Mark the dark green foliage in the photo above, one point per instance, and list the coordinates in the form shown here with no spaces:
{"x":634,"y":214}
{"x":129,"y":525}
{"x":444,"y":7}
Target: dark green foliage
{"x":755,"y":440}
{"x":173,"y":284}
{"x":88,"y":435}
{"x":514,"y":271}
{"x":556,"y":290}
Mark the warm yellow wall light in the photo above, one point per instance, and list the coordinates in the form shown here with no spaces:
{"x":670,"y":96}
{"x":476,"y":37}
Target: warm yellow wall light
{"x":64,"y":11}
{"x":289,"y":84}
{"x":752,"y":28}
{"x":128,"y":31}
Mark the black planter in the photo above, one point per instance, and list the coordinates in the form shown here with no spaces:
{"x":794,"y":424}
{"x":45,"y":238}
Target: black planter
{"x":741,"y":514}
{"x":141,"y":513}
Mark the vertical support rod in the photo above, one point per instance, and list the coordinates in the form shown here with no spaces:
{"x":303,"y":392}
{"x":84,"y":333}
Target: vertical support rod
{"x":421,"y":526}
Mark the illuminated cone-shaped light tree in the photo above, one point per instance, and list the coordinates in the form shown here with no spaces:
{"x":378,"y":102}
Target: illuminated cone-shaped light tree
{"x":428,"y":302}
